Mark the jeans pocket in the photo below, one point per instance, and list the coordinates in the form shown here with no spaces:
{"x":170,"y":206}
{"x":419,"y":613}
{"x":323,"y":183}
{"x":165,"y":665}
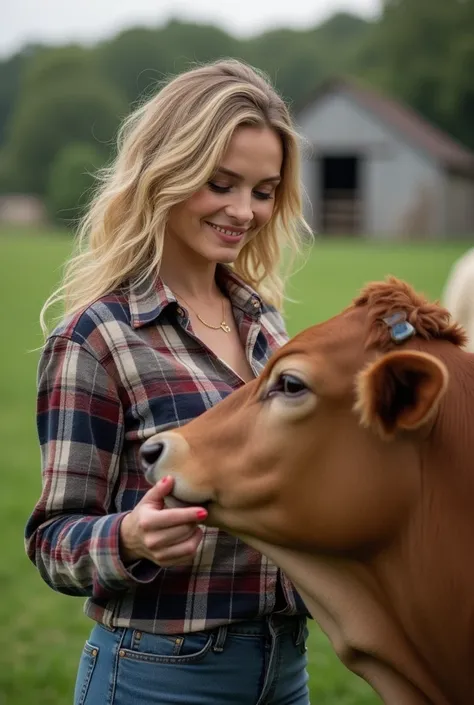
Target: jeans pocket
{"x":166,"y":648}
{"x":85,"y":671}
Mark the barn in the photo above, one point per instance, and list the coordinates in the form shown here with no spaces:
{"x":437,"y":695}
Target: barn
{"x":373,"y":167}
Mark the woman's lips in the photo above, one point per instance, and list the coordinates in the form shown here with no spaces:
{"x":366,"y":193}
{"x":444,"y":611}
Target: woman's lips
{"x":228,"y":234}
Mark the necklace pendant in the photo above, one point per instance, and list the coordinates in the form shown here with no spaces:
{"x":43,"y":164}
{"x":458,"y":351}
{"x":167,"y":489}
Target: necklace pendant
{"x":225,"y":327}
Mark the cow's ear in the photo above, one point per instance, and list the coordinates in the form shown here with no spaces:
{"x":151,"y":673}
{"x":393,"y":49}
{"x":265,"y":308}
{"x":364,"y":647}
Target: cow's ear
{"x":400,"y":391}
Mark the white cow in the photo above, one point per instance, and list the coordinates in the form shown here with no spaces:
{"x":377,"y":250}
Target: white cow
{"x":458,"y":295}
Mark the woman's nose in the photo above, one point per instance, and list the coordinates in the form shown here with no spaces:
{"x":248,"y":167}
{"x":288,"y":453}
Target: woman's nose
{"x":240,"y":209}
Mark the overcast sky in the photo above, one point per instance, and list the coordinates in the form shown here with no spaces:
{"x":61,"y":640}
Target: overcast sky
{"x":61,"y":21}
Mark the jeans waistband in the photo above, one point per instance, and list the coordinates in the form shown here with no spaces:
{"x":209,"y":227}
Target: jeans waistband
{"x":281,"y":623}
{"x":272,"y":626}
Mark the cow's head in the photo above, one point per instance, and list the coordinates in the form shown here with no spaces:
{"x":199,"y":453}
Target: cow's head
{"x":324,"y":449}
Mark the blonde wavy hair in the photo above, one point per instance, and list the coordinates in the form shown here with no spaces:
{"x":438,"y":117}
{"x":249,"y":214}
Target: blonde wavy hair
{"x":167,"y":150}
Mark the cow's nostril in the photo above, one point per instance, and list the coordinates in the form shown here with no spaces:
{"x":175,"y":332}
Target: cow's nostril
{"x":150,"y":452}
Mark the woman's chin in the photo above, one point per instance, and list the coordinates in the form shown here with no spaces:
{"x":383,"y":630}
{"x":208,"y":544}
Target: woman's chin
{"x":228,"y":258}
{"x":222,"y":255}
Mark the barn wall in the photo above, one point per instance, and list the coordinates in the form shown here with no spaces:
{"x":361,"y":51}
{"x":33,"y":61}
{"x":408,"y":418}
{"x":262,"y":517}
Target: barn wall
{"x":459,"y":200}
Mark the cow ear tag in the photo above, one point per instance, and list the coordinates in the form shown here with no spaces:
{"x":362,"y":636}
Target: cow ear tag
{"x":400,"y":328}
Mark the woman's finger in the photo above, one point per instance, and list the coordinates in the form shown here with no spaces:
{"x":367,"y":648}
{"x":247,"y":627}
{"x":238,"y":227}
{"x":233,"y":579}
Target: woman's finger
{"x":181,"y":552}
{"x":165,"y":538}
{"x":152,"y":519}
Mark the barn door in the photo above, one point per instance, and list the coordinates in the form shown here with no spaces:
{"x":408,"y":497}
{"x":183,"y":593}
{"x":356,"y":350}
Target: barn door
{"x":340,"y":211}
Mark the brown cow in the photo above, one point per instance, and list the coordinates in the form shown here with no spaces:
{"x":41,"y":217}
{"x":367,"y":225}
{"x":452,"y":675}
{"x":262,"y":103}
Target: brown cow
{"x":348,"y":462}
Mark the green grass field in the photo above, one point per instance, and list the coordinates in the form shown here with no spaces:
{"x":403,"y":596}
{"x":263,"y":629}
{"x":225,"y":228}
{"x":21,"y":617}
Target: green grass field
{"x":41,"y":632}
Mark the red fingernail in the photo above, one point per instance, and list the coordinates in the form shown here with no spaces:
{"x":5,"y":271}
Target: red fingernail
{"x":163,"y":480}
{"x":201,"y":514}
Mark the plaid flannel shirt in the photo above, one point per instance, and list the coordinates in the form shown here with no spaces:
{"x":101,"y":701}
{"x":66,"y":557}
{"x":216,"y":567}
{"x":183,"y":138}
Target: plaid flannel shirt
{"x":110,"y":377}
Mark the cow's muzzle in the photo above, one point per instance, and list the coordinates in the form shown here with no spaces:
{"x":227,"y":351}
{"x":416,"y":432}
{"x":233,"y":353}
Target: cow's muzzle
{"x":168,"y":453}
{"x":150,"y":453}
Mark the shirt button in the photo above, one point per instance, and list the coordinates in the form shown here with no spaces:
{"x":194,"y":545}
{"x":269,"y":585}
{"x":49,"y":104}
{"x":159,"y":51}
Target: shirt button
{"x":255,"y":303}
{"x":180,"y":311}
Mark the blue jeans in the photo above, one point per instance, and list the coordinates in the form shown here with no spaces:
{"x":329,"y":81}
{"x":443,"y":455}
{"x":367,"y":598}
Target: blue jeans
{"x":252,"y":663}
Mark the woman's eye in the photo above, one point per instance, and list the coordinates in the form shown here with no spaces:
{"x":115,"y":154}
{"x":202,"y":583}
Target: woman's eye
{"x":217,"y":188}
{"x":262,"y":196}
{"x":288,"y":385}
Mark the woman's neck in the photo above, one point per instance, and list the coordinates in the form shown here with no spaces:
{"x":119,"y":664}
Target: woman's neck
{"x":193,"y":277}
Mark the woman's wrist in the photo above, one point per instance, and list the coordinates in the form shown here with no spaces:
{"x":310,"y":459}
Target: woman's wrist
{"x":128,"y":546}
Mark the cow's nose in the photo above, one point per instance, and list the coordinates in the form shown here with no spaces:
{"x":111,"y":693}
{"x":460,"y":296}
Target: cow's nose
{"x":150,"y":452}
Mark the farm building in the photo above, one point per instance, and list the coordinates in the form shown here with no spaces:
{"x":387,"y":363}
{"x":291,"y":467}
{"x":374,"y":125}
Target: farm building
{"x":374,"y":167}
{"x":22,"y":209}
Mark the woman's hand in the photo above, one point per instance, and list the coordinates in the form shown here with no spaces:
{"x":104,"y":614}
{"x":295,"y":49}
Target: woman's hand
{"x":168,"y":537}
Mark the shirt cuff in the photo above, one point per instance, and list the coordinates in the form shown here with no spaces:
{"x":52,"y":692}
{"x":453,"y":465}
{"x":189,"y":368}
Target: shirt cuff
{"x":111,"y":574}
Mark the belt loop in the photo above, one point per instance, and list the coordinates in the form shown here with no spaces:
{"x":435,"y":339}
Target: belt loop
{"x":300,"y":634}
{"x":219,"y":642}
{"x":108,"y":627}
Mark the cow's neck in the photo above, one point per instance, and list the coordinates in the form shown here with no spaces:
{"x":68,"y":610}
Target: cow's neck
{"x":429,"y":564}
{"x":353,"y":611}
{"x":428,"y":582}
{"x":404,"y":621}
{"x":429,"y":593}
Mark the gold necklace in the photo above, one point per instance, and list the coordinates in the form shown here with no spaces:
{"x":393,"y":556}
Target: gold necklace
{"x":222,"y":325}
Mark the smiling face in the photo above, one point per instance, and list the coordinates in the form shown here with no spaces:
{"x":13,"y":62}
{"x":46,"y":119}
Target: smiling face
{"x":237,"y":202}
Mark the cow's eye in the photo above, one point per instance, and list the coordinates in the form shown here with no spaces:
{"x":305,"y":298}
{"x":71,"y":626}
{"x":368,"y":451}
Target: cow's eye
{"x":288,"y":385}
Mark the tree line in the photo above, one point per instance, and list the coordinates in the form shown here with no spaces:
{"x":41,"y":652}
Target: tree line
{"x":60,"y":106}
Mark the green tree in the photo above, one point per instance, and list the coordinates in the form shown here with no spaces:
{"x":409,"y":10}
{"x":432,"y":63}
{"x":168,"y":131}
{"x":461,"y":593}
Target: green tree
{"x":187,"y":43}
{"x":10,"y":71}
{"x":138,"y":59}
{"x":64,"y":64}
{"x":457,"y":96}
{"x":338,"y":41}
{"x":422,"y":52}
{"x":289,"y":58}
{"x":134,"y":61}
{"x":298,"y":60}
{"x":62,"y":100}
{"x":71,"y":181}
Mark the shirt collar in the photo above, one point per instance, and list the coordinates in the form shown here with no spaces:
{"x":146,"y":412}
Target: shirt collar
{"x":147,"y":300}
{"x":150,"y":297}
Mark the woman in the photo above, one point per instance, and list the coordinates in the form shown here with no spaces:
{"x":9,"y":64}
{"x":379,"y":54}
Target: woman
{"x":171,"y":304}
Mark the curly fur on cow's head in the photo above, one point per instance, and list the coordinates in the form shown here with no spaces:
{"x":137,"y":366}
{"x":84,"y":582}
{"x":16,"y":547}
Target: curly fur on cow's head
{"x":391,"y":296}
{"x":402,"y":388}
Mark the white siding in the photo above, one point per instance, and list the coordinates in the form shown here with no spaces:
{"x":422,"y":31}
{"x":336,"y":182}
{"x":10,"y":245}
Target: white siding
{"x":402,"y":189}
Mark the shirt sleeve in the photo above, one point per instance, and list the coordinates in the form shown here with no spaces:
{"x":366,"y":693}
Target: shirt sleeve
{"x":71,"y":536}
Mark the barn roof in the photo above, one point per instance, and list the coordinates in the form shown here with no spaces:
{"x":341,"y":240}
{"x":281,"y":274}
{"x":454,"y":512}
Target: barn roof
{"x":411,"y":125}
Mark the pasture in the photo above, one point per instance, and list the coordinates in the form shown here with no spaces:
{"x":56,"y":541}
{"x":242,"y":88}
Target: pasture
{"x":42,"y":633}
